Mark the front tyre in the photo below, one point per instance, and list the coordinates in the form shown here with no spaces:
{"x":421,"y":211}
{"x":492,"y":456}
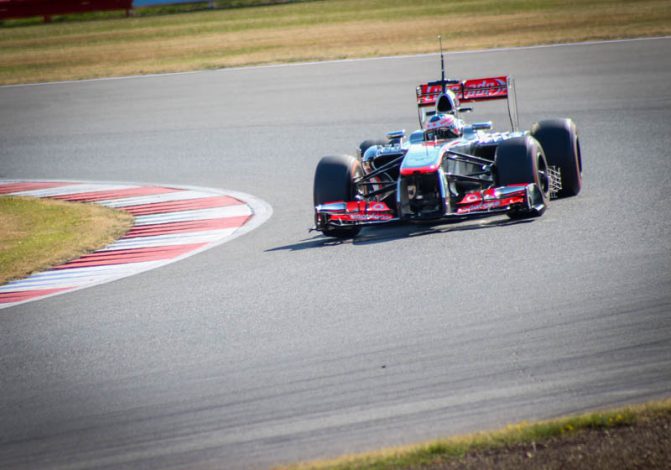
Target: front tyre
{"x":521,"y":161}
{"x":334,"y":181}
{"x":560,"y":142}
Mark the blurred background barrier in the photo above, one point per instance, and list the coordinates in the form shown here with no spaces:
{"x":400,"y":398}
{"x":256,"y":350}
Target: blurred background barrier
{"x":48,"y":8}
{"x":151,"y":3}
{"x":11,"y":9}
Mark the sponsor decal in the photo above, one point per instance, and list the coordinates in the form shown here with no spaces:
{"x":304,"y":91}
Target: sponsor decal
{"x":483,"y":206}
{"x":468,"y":90}
{"x":378,"y":206}
{"x":486,"y":205}
{"x":359,"y":211}
{"x":362,"y":217}
{"x":485,"y":88}
{"x":364,"y":206}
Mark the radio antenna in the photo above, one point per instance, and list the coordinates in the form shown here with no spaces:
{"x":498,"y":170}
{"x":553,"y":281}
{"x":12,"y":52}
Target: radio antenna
{"x":442,"y":65}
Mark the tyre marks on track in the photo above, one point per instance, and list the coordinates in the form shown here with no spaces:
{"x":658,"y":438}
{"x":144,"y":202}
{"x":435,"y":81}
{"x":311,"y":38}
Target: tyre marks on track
{"x":171,"y":223}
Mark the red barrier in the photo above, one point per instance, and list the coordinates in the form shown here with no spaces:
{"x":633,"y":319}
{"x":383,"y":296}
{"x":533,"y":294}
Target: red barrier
{"x":48,"y":8}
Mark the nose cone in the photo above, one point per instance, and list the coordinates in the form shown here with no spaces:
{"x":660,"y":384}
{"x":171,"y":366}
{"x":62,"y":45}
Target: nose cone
{"x":421,"y":158}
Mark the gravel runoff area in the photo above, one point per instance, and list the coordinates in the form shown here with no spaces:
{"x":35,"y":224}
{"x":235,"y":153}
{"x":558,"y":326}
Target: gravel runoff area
{"x":643,"y":445}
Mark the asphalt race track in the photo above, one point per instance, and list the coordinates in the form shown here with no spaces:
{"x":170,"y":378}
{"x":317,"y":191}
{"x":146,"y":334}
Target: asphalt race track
{"x":283,"y":345}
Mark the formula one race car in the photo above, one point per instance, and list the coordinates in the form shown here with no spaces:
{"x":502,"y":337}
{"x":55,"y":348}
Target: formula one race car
{"x":449,"y":169}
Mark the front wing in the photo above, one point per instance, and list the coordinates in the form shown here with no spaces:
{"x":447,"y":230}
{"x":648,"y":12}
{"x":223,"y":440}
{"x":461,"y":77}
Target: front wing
{"x":518,"y":198}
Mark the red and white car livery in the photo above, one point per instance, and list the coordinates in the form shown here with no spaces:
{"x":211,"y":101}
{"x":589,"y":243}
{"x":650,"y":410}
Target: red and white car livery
{"x":466,"y":171}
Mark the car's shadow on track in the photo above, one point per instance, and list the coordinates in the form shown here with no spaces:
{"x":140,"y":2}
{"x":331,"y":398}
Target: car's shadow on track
{"x":382,"y":234}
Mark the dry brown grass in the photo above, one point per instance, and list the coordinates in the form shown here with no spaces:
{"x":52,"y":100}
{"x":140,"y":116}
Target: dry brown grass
{"x":313,"y":31}
{"x":38,"y":233}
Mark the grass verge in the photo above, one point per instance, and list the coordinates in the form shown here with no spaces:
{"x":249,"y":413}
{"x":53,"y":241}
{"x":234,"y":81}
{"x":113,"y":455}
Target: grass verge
{"x":629,"y":437}
{"x":38,"y":233}
{"x":303,"y":31}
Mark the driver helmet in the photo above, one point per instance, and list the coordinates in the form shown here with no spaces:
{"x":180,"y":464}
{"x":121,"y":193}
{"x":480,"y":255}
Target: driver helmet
{"x":442,"y":126}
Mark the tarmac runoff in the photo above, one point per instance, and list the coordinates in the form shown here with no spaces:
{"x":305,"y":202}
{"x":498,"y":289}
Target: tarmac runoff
{"x":171,"y":223}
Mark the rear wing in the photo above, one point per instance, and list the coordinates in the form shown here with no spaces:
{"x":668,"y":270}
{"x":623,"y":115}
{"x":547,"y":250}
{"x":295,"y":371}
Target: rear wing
{"x":468,"y":91}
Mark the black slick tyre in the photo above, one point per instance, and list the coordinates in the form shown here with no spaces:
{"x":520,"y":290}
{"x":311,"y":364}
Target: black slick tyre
{"x":521,"y":161}
{"x":334,"y":181}
{"x":561,"y":145}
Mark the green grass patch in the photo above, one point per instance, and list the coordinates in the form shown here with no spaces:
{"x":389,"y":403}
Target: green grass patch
{"x":249,"y":32}
{"x":463,"y":451}
{"x":38,"y":233}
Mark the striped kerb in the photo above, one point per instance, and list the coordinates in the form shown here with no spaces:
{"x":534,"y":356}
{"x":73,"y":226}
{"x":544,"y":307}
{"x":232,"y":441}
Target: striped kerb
{"x":170,"y":223}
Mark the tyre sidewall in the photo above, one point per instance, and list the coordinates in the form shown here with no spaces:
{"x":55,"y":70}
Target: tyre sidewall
{"x":334,"y":181}
{"x":561,"y":144}
{"x":517,"y":161}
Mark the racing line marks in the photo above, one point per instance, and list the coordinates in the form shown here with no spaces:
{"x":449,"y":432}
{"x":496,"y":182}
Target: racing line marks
{"x":171,"y":223}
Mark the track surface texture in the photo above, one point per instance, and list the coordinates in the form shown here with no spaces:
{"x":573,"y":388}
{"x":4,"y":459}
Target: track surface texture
{"x":283,"y":345}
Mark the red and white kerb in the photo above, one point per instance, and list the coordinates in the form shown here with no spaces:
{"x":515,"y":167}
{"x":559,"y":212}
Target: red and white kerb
{"x":171,"y":223}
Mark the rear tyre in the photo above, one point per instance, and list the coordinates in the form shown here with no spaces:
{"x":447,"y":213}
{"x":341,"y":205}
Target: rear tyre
{"x":521,"y":161}
{"x":560,"y":142}
{"x":334,"y":181}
